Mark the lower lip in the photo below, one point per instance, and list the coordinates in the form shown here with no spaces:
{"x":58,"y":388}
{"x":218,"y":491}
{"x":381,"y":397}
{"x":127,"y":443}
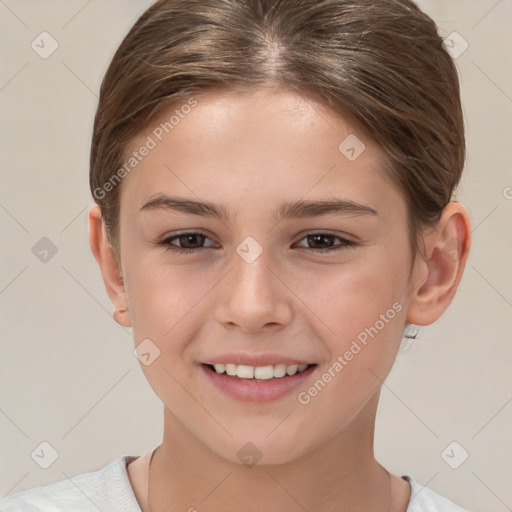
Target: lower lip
{"x":250,"y":390}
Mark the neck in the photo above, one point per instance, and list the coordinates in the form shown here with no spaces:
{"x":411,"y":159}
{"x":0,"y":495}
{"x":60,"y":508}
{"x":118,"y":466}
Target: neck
{"x":342,"y":474}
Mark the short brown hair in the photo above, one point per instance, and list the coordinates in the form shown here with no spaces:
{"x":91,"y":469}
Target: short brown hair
{"x":381,"y":63}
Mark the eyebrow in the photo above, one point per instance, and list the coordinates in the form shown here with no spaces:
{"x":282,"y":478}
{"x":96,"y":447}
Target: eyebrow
{"x":298,"y":209}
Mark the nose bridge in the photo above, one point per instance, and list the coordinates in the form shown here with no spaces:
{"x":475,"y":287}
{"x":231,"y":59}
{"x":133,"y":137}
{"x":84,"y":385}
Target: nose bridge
{"x":252,"y":274}
{"x":252,"y":295}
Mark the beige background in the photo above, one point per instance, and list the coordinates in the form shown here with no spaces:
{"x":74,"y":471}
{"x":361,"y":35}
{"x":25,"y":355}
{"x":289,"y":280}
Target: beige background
{"x":68,"y":374}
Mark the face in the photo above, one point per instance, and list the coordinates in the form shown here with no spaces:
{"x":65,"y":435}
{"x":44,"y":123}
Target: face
{"x":327,"y":287}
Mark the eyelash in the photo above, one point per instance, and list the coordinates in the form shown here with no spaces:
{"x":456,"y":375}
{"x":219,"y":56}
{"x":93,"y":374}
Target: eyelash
{"x":346,"y":244}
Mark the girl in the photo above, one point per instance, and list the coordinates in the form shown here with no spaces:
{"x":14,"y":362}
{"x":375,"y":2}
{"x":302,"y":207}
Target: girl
{"x":273,"y":181}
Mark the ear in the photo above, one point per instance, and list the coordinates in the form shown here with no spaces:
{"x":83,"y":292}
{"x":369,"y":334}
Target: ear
{"x":438,"y":274}
{"x":112,"y":276}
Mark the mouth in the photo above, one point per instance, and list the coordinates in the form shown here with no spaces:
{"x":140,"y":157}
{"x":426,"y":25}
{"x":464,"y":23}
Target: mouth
{"x":257,"y":383}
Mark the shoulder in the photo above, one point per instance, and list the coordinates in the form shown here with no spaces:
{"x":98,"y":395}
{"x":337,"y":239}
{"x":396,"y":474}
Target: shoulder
{"x":424,"y":499}
{"x":107,"y":488}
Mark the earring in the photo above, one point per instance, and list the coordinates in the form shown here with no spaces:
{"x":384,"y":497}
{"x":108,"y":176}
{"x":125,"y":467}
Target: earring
{"x":410,"y":334}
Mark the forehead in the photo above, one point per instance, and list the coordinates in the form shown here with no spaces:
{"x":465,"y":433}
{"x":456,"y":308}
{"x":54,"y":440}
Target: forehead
{"x":267,"y":145}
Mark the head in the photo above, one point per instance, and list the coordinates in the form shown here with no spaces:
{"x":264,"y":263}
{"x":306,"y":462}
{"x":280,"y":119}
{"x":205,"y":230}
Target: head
{"x":249,"y":107}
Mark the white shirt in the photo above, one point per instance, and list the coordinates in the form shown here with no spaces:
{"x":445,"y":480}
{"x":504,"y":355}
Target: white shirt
{"x":109,"y":490}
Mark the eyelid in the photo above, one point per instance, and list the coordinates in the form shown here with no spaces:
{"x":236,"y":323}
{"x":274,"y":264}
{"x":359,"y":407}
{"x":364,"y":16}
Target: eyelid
{"x":344,"y":236}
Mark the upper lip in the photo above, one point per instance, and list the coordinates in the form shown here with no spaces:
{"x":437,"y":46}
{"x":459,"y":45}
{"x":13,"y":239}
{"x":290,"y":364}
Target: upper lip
{"x":255,"y":359}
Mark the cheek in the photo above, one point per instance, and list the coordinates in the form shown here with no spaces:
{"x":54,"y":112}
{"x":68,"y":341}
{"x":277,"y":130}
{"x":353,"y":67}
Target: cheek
{"x":347,"y":299}
{"x":361,"y":304}
{"x":362,"y":307}
{"x":157,"y":298}
{"x":165,"y":302}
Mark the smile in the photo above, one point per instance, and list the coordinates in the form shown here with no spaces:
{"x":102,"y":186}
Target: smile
{"x":257,"y":383}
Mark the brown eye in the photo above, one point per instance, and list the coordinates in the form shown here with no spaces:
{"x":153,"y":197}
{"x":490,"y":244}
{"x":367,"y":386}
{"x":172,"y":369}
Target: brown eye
{"x":187,"y":241}
{"x":318,"y":241}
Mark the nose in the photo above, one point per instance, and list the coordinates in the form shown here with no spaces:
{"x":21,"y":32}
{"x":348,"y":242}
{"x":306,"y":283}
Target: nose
{"x":254,"y":296}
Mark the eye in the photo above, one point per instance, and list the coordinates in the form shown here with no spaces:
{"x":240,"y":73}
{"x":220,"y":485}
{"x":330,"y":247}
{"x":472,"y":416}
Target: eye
{"x":326,"y":238}
{"x":192,"y":241}
{"x":188,"y":239}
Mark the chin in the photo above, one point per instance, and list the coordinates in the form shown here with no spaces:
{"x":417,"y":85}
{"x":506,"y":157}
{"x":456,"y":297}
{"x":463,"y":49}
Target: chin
{"x":258,"y":450}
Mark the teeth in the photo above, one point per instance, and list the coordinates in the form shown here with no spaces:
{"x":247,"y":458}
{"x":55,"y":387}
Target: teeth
{"x":259,"y":372}
{"x":292,"y":369}
{"x":230,"y":369}
{"x":263,"y":372}
{"x":279,"y":370}
{"x":245,"y":372}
